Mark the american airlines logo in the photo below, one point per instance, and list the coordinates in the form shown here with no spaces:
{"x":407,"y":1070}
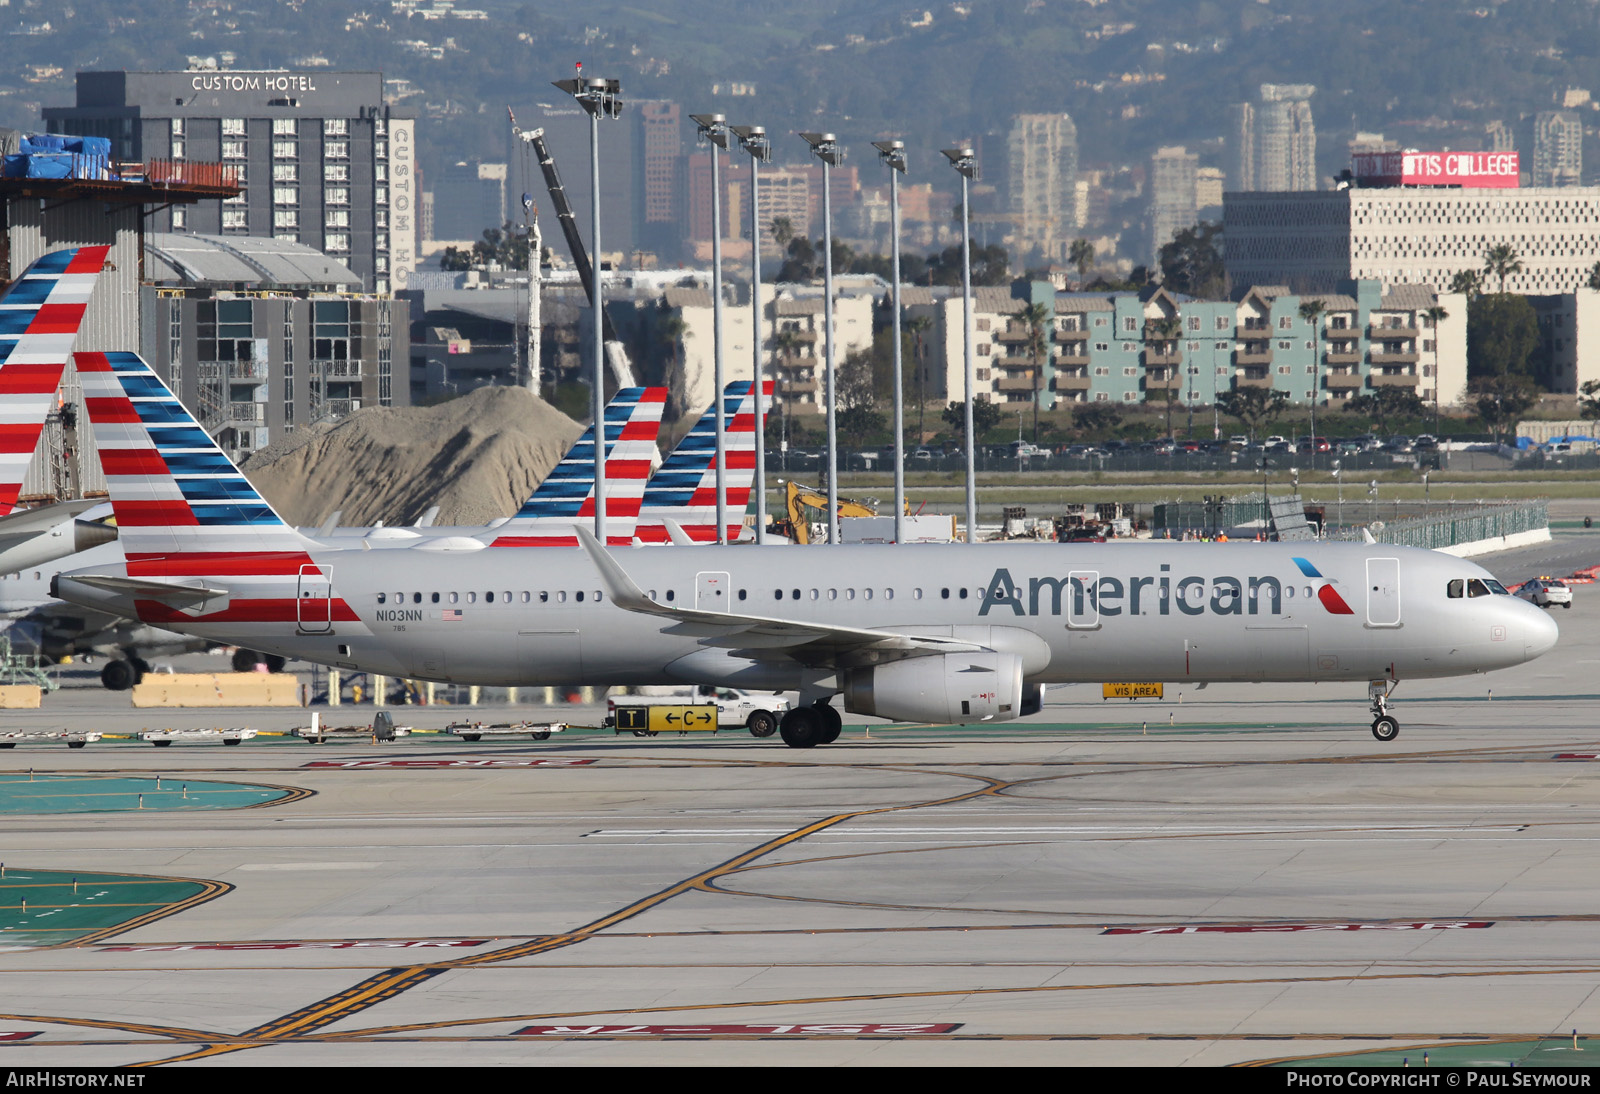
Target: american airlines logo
{"x":1089,"y":593}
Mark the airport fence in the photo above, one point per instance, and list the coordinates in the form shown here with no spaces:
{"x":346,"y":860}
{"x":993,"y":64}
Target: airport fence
{"x":1420,"y":523}
{"x":1457,"y":524}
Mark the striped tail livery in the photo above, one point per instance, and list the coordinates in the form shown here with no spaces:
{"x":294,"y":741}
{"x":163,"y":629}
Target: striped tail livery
{"x":685,"y":488}
{"x":39,"y":319}
{"x":566,"y":496}
{"x":188,"y":519}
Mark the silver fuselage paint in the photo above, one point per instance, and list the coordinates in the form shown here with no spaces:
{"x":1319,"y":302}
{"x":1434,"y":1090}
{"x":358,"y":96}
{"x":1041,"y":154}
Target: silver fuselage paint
{"x":1078,"y":613}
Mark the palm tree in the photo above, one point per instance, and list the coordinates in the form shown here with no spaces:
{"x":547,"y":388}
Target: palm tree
{"x":916,"y":325}
{"x":784,"y":345}
{"x":1594,"y":277}
{"x":1436,"y":315}
{"x":1468,"y":283}
{"x":1501,"y":261}
{"x":1035,"y":317}
{"x":1311,"y":311}
{"x":1166,"y":330}
{"x":1082,"y":256}
{"x":782,"y":229}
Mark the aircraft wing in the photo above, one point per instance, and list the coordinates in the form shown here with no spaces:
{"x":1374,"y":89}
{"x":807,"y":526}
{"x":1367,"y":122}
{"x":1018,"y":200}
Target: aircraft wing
{"x":764,"y":638}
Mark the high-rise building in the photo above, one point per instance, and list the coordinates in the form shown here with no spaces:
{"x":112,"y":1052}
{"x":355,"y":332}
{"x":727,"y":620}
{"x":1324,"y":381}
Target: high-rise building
{"x":1557,"y":148}
{"x":660,"y":136}
{"x":1274,"y":140}
{"x":1174,"y":204}
{"x":1042,"y":176}
{"x":322,"y":159}
{"x":468,"y":198}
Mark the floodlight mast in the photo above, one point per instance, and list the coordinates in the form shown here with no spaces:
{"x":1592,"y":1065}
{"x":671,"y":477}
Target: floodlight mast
{"x":713,"y":128}
{"x":599,"y":98}
{"x":893,"y":155}
{"x":965,"y":161}
{"x":753,"y":139}
{"x":826,"y":147}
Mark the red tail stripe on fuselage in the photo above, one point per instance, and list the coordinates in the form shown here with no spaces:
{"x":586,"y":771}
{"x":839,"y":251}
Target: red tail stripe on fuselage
{"x":57,"y":319}
{"x":88,"y":260}
{"x":279,"y":610}
{"x":20,"y":438}
{"x":25,"y":379}
{"x":152,"y":514}
{"x":222,"y":564}
{"x":132,"y":461}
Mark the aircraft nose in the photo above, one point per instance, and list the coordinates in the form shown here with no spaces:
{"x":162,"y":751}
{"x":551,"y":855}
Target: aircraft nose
{"x":1539,"y":634}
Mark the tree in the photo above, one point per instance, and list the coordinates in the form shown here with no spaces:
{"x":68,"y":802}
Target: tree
{"x":985,"y":416}
{"x":915,"y":326}
{"x":854,"y":383}
{"x":1501,"y":261}
{"x":1096,"y":418}
{"x":1500,"y":400}
{"x":1468,"y":282}
{"x":671,"y":330}
{"x":804,"y":262}
{"x":1589,"y":404}
{"x":1502,"y":333}
{"x":1036,"y":317}
{"x":1387,"y":404}
{"x":1192,"y":262}
{"x":990,"y":266}
{"x":1253,"y":406}
{"x":782,"y":230}
{"x":1166,"y":329}
{"x":1082,"y":256}
{"x":1594,"y":277}
{"x":857,"y":423}
{"x":1311,"y":311}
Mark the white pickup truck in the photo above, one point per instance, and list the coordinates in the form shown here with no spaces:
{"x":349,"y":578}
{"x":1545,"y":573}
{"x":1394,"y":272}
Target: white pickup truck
{"x":756,"y":711}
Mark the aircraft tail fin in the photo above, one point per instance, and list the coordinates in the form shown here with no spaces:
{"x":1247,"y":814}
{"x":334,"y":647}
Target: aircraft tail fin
{"x":685,"y":489}
{"x":39,"y":318}
{"x":182,"y":507}
{"x":566,"y":496}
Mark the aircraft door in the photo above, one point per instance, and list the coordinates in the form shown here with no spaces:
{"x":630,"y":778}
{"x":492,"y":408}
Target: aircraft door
{"x":711,"y":592}
{"x":314,"y":601}
{"x":1383,"y":592}
{"x":1083,"y":600}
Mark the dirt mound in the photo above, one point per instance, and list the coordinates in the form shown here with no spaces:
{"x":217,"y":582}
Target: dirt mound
{"x":477,"y":458}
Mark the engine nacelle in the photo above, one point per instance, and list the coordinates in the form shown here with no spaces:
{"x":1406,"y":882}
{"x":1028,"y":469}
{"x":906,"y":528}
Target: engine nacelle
{"x":947,"y":689}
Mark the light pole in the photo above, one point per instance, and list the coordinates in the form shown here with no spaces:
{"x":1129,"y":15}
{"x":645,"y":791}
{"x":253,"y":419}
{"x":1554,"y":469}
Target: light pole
{"x":714,"y":129}
{"x":826,"y":147}
{"x":893,"y":154}
{"x":1338,"y":478}
{"x":965,"y":161}
{"x":600,"y":98}
{"x":753,"y":139}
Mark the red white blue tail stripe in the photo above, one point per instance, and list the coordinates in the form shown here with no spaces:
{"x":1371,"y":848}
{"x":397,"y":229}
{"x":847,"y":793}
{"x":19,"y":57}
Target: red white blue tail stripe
{"x":566,"y":496}
{"x":685,"y":488}
{"x":183,"y":510}
{"x":39,"y":319}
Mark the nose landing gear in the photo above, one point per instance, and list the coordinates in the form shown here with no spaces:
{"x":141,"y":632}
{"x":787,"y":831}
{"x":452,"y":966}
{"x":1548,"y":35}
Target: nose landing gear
{"x":1384,"y":725}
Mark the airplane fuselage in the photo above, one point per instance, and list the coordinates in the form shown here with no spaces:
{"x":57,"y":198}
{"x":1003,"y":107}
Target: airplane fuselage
{"x":1102,"y":612}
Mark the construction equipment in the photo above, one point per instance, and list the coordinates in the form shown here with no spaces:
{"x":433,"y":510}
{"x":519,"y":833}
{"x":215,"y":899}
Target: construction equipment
{"x":796,"y":524}
{"x":616,"y":356}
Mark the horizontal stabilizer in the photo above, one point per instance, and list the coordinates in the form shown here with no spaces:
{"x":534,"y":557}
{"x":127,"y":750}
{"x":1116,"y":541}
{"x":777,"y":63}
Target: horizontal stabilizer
{"x":144,"y":589}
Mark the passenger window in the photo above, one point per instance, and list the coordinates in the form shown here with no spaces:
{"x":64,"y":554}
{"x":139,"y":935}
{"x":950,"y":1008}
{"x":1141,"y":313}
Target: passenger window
{"x":833,"y":594}
{"x":578,"y":596}
{"x":866,"y":594}
{"x":796,"y":595}
{"x":544,"y":597}
{"x":506,"y":596}
{"x":527,"y":597}
{"x":597,"y":596}
{"x":561,"y":596}
{"x":888,"y":594}
{"x":944,"y":594}
{"x":1455,"y":589}
{"x":1288,"y":591}
{"x":671,"y":596}
{"x":488,"y":597}
{"x":963,"y":592}
{"x":916,"y":594}
{"x":814,"y":594}
{"x":742,"y":594}
{"x":455,"y":598}
{"x":472,"y":598}
{"x":436,"y":598}
{"x":777,"y":594}
{"x":382,"y":597}
{"x":416,"y":598}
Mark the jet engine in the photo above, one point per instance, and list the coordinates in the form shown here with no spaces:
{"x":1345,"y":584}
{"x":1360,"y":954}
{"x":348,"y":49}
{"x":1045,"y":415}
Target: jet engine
{"x":946,"y":689}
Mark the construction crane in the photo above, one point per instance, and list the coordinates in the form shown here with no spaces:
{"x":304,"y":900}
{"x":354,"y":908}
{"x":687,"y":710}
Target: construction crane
{"x":616,"y":356}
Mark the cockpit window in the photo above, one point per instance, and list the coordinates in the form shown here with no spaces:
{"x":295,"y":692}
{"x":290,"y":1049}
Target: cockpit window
{"x":1496,"y":588}
{"x":1455,"y":589}
{"x":1476,"y":587}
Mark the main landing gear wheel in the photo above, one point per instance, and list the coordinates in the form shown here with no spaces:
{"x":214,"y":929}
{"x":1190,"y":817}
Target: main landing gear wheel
{"x":832,"y":724}
{"x":1386,"y":728}
{"x":802,"y":727}
{"x":761,"y":723}
{"x":118,"y":675}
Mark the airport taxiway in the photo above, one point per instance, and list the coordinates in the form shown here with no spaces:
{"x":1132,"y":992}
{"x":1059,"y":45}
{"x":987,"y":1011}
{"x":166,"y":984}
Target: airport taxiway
{"x":1240,"y":876}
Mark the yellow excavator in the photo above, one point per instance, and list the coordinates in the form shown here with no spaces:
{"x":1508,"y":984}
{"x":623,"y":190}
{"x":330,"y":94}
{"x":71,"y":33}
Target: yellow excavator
{"x":796,"y":522}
